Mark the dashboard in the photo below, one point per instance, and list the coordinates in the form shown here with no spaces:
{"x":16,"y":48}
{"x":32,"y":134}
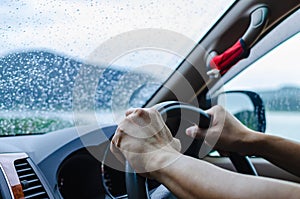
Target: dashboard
{"x":20,"y":178}
{"x":73,"y":163}
{"x":81,"y":175}
{"x":69,"y":163}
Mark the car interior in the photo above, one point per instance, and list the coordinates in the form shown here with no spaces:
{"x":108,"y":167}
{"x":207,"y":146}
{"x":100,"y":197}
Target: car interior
{"x":76,"y":162}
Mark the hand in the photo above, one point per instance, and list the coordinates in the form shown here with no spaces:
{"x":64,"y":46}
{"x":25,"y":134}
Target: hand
{"x":145,"y":141}
{"x":225,"y":134}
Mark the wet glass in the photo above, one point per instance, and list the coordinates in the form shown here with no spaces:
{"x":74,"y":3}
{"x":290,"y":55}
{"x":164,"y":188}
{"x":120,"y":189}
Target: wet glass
{"x":275,"y":77}
{"x":46,"y":48}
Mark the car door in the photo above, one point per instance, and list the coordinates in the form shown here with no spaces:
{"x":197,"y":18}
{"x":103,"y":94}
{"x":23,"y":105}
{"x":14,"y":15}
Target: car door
{"x":275,"y":77}
{"x":280,"y":30}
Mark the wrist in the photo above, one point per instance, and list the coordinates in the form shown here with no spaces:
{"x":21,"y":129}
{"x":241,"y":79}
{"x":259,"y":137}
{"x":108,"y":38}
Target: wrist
{"x":253,"y":143}
{"x":160,"y":162}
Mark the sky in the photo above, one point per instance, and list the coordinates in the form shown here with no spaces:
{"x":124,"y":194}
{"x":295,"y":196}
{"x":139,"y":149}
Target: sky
{"x":77,"y":27}
{"x":279,"y":68}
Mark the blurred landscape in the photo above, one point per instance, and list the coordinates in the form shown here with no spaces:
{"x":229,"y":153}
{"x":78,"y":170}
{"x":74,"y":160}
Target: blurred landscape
{"x":38,"y":88}
{"x":283,"y":99}
{"x":37,"y":92}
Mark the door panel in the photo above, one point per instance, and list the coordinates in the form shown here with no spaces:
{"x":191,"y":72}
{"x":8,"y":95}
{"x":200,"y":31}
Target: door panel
{"x":263,"y":168}
{"x":275,"y":77}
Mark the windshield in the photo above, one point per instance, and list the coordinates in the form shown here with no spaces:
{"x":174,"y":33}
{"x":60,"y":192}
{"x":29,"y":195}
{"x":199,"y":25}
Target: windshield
{"x":63,"y":58}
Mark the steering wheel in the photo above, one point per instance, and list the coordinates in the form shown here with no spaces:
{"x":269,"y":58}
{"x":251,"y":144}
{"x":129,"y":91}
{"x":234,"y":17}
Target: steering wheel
{"x":137,"y":186}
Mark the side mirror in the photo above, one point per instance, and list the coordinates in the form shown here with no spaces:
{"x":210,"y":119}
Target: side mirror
{"x":246,"y":106}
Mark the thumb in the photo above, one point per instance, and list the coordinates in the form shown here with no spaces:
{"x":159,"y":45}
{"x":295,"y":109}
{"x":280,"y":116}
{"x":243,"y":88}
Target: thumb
{"x":195,"y":132}
{"x":118,"y":154}
{"x":176,"y":144}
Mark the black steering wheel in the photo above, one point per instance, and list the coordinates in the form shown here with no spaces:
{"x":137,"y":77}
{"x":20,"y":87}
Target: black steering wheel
{"x":137,"y":186}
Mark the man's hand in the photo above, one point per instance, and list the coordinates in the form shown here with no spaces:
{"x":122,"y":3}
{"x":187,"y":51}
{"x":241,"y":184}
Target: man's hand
{"x":230,"y":133}
{"x":148,"y":145}
{"x":145,"y":141}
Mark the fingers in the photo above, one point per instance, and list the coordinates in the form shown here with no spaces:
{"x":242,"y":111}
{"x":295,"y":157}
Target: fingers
{"x":129,"y":111}
{"x":211,"y":111}
{"x":139,"y":116}
{"x":138,"y":111}
{"x":142,"y":123}
{"x":117,"y":153}
{"x":115,"y":145}
{"x":195,"y":132}
{"x":214,"y":109}
{"x":176,"y":144}
{"x":216,"y":112}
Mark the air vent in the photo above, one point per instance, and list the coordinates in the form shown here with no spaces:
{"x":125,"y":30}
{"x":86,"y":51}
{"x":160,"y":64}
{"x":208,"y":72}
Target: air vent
{"x":32,"y":186}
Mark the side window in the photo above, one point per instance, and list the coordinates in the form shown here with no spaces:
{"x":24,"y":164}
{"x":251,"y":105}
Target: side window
{"x":276,"y":78}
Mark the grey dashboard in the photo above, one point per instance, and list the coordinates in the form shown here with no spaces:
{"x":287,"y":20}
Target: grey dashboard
{"x":48,"y":153}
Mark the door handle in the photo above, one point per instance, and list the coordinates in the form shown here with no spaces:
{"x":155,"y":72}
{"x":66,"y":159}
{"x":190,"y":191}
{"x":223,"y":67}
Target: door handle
{"x":220,"y":64}
{"x":258,"y":21}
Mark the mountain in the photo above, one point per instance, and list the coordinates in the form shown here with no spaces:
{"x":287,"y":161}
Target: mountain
{"x":283,"y":99}
{"x":40,"y":80}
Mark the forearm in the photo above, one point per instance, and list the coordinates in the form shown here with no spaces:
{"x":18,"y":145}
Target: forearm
{"x":191,"y":178}
{"x":281,"y":152}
